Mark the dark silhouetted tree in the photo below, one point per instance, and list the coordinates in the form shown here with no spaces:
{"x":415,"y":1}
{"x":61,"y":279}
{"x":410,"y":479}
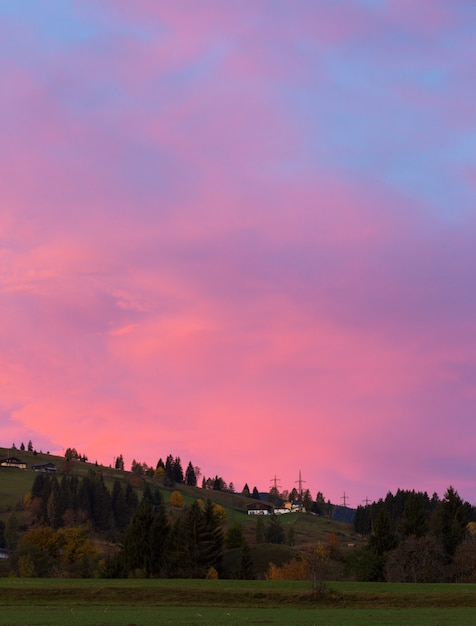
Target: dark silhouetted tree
{"x":274,"y":532}
{"x":260,"y":530}
{"x":246,"y":491}
{"x":190,"y":477}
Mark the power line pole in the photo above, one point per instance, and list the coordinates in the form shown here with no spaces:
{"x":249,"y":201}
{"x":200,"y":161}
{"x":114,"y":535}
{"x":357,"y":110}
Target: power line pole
{"x":367,"y":501}
{"x":345,"y":498}
{"x":275,"y":483}
{"x":300,"y":482}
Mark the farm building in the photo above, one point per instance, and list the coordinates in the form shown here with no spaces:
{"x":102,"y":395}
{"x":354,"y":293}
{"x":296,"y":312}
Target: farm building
{"x":12,"y":461}
{"x":44,"y":467}
{"x":259,"y":508}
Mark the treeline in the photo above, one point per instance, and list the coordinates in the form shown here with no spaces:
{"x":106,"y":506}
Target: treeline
{"x":190,"y":546}
{"x":415,"y":538}
{"x":73,"y":501}
{"x":171,"y":472}
{"x":77,"y":527}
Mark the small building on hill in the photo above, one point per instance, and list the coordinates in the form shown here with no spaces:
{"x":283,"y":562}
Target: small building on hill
{"x":259,"y":508}
{"x":44,"y":467}
{"x":12,"y":461}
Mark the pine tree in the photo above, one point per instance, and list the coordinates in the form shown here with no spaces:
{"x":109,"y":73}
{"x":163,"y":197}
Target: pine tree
{"x":137,"y":553}
{"x":234,"y":537}
{"x":169,"y":471}
{"x":190,"y":477}
{"x":383,"y":539}
{"x":119,"y":506}
{"x":159,"y":533}
{"x":255,"y":493}
{"x":177,"y":471}
{"x":450,"y":520}
{"x":245,"y":568}
{"x":214,"y":530}
{"x":414,"y":517}
{"x":119,"y":462}
{"x":246,"y":491}
{"x":274,"y":532}
{"x":194,"y":532}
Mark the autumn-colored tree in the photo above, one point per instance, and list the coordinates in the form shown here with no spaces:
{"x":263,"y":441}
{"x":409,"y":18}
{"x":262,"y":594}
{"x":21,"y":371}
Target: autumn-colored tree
{"x":176,"y":499}
{"x":159,"y":473}
{"x":295,"y":569}
{"x":219,"y":513}
{"x":317,"y":560}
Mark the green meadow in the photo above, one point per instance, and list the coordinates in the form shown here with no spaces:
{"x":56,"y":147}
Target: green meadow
{"x":147,"y":602}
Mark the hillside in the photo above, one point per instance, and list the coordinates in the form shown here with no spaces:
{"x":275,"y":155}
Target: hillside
{"x":307,"y":529}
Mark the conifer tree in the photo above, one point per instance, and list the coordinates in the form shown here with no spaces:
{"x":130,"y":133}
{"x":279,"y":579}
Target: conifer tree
{"x":245,"y":567}
{"x":159,"y":533}
{"x":137,"y":553}
{"x":177,"y":471}
{"x":274,"y":532}
{"x":450,"y":520}
{"x":190,"y":477}
{"x":246,"y":491}
{"x":119,"y":506}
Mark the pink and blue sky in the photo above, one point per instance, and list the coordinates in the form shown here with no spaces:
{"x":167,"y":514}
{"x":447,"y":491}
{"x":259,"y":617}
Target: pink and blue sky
{"x":243,"y":233}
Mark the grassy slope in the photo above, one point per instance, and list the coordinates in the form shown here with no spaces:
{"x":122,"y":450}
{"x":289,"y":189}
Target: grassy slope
{"x":308,"y":529}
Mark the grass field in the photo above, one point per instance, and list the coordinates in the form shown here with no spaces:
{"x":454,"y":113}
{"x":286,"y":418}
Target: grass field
{"x":144,"y":602}
{"x":192,"y":616}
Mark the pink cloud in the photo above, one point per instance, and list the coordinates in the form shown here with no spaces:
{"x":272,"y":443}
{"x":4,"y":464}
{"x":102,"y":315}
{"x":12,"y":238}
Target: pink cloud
{"x":171,"y":284}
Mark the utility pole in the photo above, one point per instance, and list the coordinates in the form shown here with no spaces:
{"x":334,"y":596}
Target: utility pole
{"x":275,"y":486}
{"x":367,"y":501}
{"x":300,"y":482}
{"x":344,"y":498}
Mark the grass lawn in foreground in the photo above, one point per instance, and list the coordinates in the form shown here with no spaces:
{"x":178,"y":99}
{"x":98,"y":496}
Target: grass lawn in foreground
{"x":50,"y":602}
{"x":191,"y":616}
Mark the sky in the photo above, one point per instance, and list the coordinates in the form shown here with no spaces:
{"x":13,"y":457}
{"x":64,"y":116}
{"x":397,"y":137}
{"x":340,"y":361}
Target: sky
{"x":242,"y":233}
